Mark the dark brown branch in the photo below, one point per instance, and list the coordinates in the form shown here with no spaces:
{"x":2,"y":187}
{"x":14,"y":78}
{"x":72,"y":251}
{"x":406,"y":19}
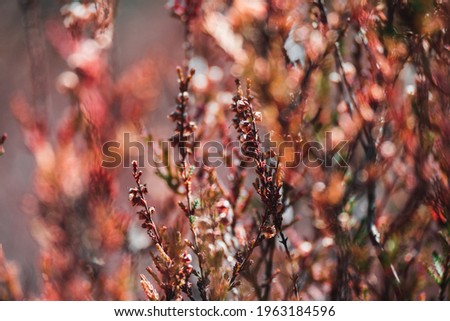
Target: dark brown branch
{"x":183,"y":141}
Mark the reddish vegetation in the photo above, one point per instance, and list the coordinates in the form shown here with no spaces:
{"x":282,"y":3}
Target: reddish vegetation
{"x":367,"y":219}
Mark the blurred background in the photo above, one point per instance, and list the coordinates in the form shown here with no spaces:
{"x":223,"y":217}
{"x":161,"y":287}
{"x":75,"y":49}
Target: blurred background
{"x":76,"y":74}
{"x":143,"y":30}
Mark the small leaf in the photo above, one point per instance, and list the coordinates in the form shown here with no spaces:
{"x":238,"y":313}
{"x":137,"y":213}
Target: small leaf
{"x":438,"y":264}
{"x":196,"y":204}
{"x":433,"y":274}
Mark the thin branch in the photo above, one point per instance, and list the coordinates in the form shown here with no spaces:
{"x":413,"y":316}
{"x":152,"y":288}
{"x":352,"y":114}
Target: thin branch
{"x":137,"y":198}
{"x":183,"y":141}
{"x":240,"y":266}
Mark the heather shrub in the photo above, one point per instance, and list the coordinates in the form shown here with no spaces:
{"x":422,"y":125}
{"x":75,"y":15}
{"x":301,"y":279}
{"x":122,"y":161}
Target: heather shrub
{"x":307,"y":156}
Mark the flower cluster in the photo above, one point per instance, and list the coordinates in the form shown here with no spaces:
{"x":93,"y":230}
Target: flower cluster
{"x":136,"y":195}
{"x":268,"y":183}
{"x":184,"y":130}
{"x":171,"y":260}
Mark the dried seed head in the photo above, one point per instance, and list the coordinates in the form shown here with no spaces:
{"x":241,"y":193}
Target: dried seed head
{"x":268,"y":231}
